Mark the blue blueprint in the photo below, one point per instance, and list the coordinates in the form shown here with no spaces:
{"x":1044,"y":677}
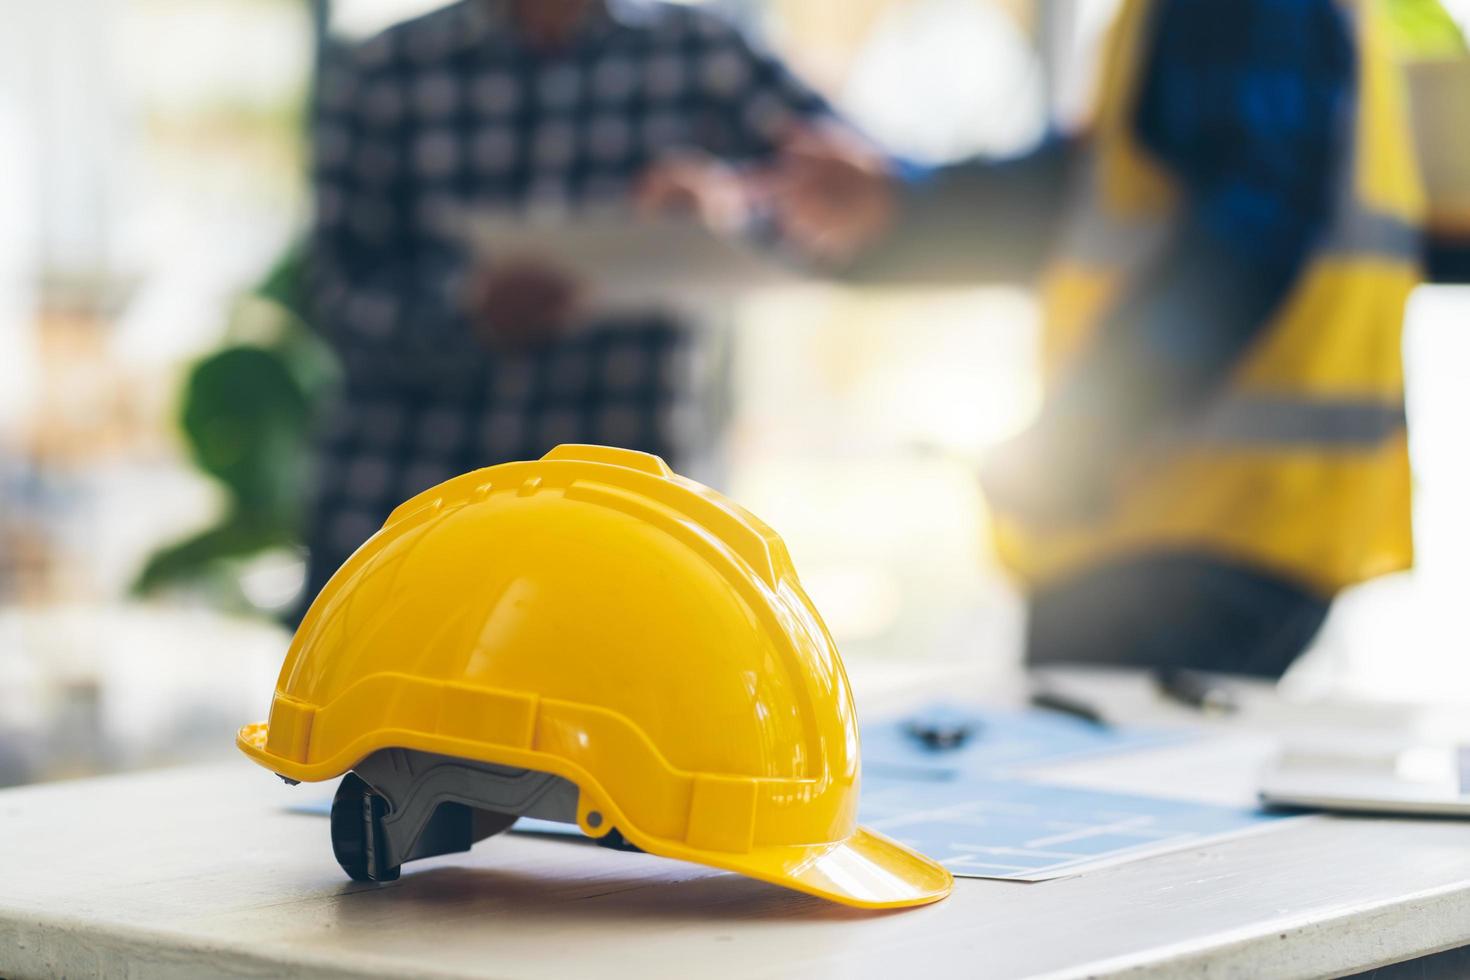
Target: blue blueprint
{"x":982,"y":827}
{"x":1002,"y":741}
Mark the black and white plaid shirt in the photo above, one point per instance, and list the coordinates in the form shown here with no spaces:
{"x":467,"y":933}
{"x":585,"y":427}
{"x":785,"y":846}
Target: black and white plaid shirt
{"x":452,"y":112}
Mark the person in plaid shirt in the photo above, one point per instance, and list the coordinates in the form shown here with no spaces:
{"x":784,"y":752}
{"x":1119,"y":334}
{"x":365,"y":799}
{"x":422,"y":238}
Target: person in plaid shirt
{"x":520,"y":104}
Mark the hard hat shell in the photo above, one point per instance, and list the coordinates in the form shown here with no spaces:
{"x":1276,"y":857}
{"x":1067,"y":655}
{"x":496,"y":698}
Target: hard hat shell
{"x":593,"y":615}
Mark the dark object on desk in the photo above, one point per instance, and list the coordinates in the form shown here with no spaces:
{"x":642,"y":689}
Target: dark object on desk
{"x":943,"y":728}
{"x":1049,"y":700}
{"x":1196,"y":689}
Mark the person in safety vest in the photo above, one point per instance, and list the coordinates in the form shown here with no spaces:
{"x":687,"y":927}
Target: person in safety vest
{"x":1225,"y":255}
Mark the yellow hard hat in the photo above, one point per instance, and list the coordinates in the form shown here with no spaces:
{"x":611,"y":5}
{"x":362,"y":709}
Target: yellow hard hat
{"x":631,"y":634}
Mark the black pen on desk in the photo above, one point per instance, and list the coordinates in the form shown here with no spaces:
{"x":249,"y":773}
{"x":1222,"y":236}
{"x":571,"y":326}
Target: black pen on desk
{"x":1067,"y":705}
{"x":943,"y":729}
{"x":1195,"y":689}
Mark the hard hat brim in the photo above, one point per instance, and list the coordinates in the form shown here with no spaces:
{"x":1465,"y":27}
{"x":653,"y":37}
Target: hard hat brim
{"x":866,"y":871}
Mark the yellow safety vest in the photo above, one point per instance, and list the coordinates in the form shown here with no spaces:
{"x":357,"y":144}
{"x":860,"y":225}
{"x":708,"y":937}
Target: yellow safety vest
{"x":1299,"y":465}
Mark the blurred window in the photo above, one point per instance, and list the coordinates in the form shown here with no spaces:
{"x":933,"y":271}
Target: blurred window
{"x":938,"y":80}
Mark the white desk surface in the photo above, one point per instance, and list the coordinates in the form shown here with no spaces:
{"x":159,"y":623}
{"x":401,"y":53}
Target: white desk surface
{"x":200,"y":872}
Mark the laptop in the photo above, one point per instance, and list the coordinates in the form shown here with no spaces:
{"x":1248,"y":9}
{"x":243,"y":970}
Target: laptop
{"x":1421,"y":780}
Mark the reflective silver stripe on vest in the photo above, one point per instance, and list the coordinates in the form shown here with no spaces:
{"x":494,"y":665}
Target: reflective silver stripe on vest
{"x":1359,"y":232}
{"x":1095,"y":239}
{"x":1295,"y":423}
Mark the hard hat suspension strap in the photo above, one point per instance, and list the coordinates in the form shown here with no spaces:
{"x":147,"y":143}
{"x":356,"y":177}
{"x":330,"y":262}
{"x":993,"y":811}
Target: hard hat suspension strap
{"x":400,"y":805}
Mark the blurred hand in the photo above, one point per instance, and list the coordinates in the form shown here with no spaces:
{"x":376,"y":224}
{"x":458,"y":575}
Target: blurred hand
{"x":696,"y":185}
{"x":833,"y":194}
{"x":519,"y":302}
